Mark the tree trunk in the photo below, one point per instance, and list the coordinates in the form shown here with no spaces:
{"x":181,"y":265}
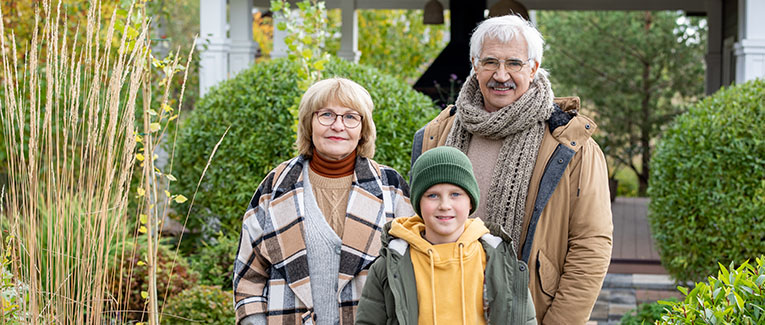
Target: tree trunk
{"x":645,"y":124}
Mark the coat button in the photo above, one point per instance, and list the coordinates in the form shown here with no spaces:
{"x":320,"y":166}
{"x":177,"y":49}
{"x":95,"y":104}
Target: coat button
{"x":431,"y":138}
{"x":587,"y":126}
{"x":560,"y":161}
{"x":522,"y":267}
{"x":573,"y":143}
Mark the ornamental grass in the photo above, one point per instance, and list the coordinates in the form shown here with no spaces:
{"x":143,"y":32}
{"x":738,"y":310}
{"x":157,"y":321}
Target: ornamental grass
{"x":82,"y":117}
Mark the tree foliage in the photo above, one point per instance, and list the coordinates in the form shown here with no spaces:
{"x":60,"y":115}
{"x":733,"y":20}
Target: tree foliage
{"x":397,"y":42}
{"x":635,"y":70}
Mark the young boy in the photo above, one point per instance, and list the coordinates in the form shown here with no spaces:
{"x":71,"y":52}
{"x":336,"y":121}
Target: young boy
{"x":439,"y":267}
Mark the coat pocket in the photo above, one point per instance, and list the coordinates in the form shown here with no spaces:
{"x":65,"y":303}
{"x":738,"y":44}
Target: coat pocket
{"x":548,"y":274}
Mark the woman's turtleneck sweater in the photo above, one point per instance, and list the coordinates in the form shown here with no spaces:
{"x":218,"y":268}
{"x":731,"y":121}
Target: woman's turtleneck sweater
{"x":331,"y":182}
{"x":449,"y":277}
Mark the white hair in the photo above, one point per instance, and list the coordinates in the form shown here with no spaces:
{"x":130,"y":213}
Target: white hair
{"x":505,"y":29}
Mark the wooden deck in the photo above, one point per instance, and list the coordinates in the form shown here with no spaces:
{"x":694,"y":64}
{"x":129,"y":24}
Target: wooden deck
{"x":633,"y":251}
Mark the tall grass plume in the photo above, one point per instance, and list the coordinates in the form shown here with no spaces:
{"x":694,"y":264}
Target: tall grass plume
{"x":79,"y":125}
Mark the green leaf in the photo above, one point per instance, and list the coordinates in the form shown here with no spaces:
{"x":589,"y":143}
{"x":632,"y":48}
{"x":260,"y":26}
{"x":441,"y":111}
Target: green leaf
{"x":319,"y":65}
{"x":276,"y":5}
{"x":306,"y":53}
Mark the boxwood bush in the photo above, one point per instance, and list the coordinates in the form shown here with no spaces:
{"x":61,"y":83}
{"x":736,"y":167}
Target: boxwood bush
{"x":255,"y":104}
{"x":707,"y":184}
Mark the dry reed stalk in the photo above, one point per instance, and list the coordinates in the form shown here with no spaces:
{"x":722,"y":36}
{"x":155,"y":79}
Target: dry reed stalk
{"x":68,"y":121}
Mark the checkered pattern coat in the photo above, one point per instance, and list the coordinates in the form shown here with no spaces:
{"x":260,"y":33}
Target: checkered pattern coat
{"x":271,"y":268}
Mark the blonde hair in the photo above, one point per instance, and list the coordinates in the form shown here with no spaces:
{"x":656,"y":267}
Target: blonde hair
{"x":342,"y":92}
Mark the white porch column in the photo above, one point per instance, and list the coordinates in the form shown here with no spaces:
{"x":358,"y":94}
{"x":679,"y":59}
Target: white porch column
{"x":280,"y":49}
{"x":349,"y":44}
{"x":243,"y":47}
{"x":714,"y":55}
{"x":750,"y":49}
{"x":213,"y":44}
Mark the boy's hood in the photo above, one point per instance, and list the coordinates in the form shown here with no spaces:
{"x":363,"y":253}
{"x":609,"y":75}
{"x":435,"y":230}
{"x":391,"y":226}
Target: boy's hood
{"x":494,"y":229}
{"x":411,"y":229}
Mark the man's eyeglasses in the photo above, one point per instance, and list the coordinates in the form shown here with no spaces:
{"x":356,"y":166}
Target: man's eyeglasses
{"x":512,"y":65}
{"x":350,"y":120}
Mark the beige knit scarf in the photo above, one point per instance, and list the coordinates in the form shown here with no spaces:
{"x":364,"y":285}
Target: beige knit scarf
{"x":521,"y":125}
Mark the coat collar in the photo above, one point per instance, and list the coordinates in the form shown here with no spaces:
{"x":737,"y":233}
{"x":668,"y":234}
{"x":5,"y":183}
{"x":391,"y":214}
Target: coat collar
{"x":363,"y":223}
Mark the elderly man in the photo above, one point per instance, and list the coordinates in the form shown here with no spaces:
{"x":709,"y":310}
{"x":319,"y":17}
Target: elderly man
{"x":545,"y":178}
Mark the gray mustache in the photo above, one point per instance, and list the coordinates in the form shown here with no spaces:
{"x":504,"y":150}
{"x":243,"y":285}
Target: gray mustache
{"x":507,"y":84}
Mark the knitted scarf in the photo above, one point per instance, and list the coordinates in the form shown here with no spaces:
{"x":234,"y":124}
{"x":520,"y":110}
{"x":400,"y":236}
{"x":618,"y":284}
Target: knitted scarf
{"x":521,"y":125}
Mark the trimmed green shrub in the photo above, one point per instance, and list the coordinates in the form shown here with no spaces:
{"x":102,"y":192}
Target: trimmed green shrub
{"x":707,"y":184}
{"x":255,"y":104}
{"x":200,"y":304}
{"x":215,"y":260}
{"x":647,"y":313}
{"x":735,"y":296}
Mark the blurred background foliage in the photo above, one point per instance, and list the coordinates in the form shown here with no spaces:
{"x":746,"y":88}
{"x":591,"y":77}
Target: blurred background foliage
{"x":395,"y":42}
{"x":658,"y":72}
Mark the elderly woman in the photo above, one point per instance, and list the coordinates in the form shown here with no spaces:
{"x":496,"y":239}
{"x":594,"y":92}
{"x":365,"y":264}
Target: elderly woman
{"x":313,"y":227}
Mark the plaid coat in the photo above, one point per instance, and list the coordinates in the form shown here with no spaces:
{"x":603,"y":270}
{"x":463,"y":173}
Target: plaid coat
{"x":271,"y":268}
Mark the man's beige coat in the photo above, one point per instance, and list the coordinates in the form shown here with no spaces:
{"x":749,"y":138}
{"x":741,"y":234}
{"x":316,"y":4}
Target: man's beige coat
{"x":572,"y":246}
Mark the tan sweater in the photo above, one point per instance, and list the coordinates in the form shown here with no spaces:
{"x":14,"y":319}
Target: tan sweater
{"x":332,"y":198}
{"x":483,"y":154}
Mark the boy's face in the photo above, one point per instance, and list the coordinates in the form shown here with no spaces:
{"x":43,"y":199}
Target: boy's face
{"x":445,"y":208}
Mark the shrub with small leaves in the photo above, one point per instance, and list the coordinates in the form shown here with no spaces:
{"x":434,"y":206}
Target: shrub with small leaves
{"x":707,"y":184}
{"x":255,"y":105}
{"x":215,"y":260}
{"x":735,"y":296}
{"x":200,"y":304}
{"x":646,"y":313}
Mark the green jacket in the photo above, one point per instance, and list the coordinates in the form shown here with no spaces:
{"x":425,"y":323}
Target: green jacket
{"x":390,"y":293}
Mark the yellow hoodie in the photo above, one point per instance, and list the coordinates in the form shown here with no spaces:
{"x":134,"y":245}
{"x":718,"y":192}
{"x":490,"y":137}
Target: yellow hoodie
{"x":451,"y":272}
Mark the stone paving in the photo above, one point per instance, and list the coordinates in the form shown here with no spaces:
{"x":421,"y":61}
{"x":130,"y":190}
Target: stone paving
{"x":623,"y":292}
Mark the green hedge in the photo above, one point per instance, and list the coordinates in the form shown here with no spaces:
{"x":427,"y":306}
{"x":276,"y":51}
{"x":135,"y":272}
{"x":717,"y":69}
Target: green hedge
{"x":255,"y":105}
{"x":707,"y":184}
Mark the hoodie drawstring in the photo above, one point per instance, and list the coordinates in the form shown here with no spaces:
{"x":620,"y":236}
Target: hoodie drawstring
{"x":462,"y":284}
{"x":433,"y":285}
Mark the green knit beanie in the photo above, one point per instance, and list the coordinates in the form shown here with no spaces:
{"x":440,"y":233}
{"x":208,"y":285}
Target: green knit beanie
{"x":443,"y":165}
